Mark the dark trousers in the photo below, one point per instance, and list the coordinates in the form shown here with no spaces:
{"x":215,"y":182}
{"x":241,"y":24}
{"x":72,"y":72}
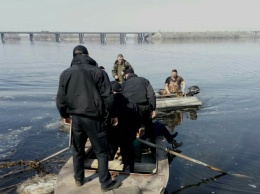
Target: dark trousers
{"x":128,"y":135}
{"x":123,"y":136}
{"x":147,"y":122}
{"x":128,"y":154}
{"x":82,"y":129}
{"x":161,"y":130}
{"x":113,"y":140}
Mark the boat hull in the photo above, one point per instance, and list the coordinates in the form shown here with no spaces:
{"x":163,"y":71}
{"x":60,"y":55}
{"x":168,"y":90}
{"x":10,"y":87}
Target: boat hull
{"x":169,"y":103}
{"x":146,"y":183}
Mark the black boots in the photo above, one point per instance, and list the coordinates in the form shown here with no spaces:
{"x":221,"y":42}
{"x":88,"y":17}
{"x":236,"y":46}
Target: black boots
{"x":129,"y":168}
{"x":79,"y":183}
{"x":174,"y":135}
{"x":113,"y":185}
{"x":175,"y":144}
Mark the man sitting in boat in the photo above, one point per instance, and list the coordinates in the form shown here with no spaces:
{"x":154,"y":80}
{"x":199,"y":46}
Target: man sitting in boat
{"x":174,"y":85}
{"x":161,"y":130}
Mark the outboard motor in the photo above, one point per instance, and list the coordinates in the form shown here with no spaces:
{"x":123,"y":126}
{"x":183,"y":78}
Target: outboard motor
{"x":193,"y":90}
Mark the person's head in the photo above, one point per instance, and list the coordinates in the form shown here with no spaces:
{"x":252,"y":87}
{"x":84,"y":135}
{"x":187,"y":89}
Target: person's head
{"x":102,"y":68}
{"x":116,"y":87}
{"x":120,"y":58}
{"x":174,"y":73}
{"x":127,"y":71}
{"x":80,"y":50}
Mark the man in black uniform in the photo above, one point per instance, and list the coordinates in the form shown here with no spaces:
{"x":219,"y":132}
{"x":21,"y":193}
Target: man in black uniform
{"x":129,"y":122}
{"x":85,"y":94}
{"x":139,"y":90}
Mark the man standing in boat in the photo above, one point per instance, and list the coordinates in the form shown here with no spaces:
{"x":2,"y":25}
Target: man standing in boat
{"x":138,"y":90}
{"x":85,"y":94}
{"x":129,"y":122}
{"x":118,"y":68}
{"x":174,"y":84}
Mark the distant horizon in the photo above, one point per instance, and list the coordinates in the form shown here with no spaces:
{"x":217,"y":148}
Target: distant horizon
{"x":128,"y":32}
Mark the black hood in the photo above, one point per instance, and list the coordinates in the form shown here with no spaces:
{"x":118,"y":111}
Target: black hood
{"x":83,"y":59}
{"x":116,"y":87}
{"x":80,"y":50}
{"x":131,"y":75}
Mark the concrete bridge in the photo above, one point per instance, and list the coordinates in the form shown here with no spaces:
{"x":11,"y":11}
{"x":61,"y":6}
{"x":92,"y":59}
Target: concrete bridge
{"x":141,"y":36}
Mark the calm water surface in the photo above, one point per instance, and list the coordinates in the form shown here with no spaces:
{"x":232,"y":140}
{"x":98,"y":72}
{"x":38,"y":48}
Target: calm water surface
{"x":225,"y":134}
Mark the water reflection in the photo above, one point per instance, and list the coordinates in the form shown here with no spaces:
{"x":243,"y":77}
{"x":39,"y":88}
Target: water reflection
{"x":192,"y":114}
{"x":174,"y":118}
{"x":171,"y":120}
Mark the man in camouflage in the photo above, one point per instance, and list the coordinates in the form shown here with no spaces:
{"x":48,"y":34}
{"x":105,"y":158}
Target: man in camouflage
{"x":118,"y":68}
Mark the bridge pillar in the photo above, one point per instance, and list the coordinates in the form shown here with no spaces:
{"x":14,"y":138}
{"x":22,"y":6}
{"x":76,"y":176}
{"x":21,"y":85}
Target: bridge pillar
{"x":57,"y":37}
{"x":2,"y":37}
{"x":81,"y":38}
{"x":31,"y":37}
{"x":103,"y":38}
{"x":141,"y":37}
{"x":122,"y":38}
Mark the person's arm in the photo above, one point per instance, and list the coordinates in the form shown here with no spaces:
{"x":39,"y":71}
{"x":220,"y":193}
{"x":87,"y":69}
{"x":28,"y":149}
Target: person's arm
{"x":183,"y":86}
{"x":150,"y":95}
{"x":126,"y":66}
{"x":105,"y":90}
{"x":166,"y":86}
{"x":151,"y":98}
{"x":61,"y":102}
{"x":114,"y":71}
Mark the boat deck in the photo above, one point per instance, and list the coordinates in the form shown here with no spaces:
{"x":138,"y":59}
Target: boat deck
{"x":149,"y":177}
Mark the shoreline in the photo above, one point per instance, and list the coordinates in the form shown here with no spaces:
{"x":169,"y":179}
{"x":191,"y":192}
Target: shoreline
{"x":206,"y":35}
{"x":152,"y":36}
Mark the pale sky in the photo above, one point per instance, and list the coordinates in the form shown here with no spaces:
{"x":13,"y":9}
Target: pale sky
{"x":130,"y":15}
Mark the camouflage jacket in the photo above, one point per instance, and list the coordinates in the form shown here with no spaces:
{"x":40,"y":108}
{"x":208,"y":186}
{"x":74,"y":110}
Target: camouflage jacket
{"x":115,"y":72}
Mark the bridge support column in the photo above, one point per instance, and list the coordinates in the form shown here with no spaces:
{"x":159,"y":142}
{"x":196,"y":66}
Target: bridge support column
{"x":2,"y":37}
{"x":32,"y":37}
{"x":81,"y":38}
{"x":122,"y":38}
{"x":57,"y":37}
{"x":103,"y":38}
{"x":141,"y":37}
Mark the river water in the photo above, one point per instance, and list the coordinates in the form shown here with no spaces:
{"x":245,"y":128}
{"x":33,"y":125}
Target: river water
{"x":224,"y":132}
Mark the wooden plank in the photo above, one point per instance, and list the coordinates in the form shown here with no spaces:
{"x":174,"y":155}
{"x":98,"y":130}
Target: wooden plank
{"x":116,"y":165}
{"x":112,"y":165}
